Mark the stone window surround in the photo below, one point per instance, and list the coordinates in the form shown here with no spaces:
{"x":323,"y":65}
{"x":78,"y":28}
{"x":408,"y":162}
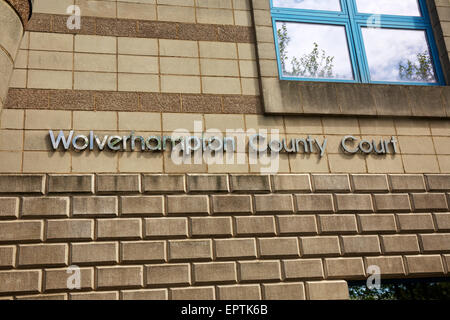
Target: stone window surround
{"x":313,"y":98}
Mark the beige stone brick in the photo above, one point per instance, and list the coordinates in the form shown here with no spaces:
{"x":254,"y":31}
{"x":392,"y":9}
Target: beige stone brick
{"x":12,"y":119}
{"x":51,"y":41}
{"x":118,"y":183}
{"x":7,"y":256}
{"x":435,"y":242}
{"x":339,"y":183}
{"x":71,"y":183}
{"x":119,"y":229}
{"x":51,"y":162}
{"x":143,"y":251}
{"x":138,"y":82}
{"x":218,"y":227}
{"x":361,"y":245}
{"x":424,"y":265}
{"x":327,"y":290}
{"x":379,"y":223}
{"x":96,"y":44}
{"x":120,"y":277}
{"x":166,"y":227}
{"x":235,"y":248}
{"x":259,"y":271}
{"x":95,"y":296}
{"x":45,"y":207}
{"x":188,"y":205}
{"x":56,"y":279}
{"x":190,"y":250}
{"x":11,"y":162}
{"x":314,"y":203}
{"x":389,"y":266}
{"x":94,"y":162}
{"x":197,"y":293}
{"x":438,"y":182}
{"x":338,"y":224}
{"x":21,"y":231}
{"x":392,"y":202}
{"x":240,"y":292}
{"x":95,"y":206}
{"x":95,"y":253}
{"x":48,"y":119}
{"x":207,"y":183}
{"x":429,"y":201}
{"x":297,"y":225}
{"x":319,"y":246}
{"x":370,"y":183}
{"x":137,"y":46}
{"x":303,"y":269}
{"x":178,"y":48}
{"x":149,"y":294}
{"x":43,"y":254}
{"x":348,"y":268}
{"x":420,"y":164}
{"x":75,"y":230}
{"x":142,"y":205}
{"x":404,"y":183}
{"x":415,"y":222}
{"x":47,"y":79}
{"x":28,"y":281}
{"x":176,"y":121}
{"x":133,"y":162}
{"x":9,"y":207}
{"x":354,"y":202}
{"x":274,"y":203}
{"x":285,"y":291}
{"x":53,"y":60}
{"x":442,"y":221}
{"x":396,"y":244}
{"x":180,"y":84}
{"x":220,"y":50}
{"x":232,"y":204}
{"x":168,"y":274}
{"x":215,"y":272}
{"x":246,"y":226}
{"x":163,"y":183}
{"x":95,"y":81}
{"x":278,"y":247}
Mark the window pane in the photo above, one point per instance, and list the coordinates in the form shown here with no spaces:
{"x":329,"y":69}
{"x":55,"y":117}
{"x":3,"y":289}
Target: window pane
{"x":329,"y":5}
{"x":392,"y":7}
{"x":314,"y":51}
{"x":398,"y":55}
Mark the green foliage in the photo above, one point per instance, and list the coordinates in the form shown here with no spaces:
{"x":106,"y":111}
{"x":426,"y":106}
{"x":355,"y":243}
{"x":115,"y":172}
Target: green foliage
{"x":313,"y":65}
{"x":403,"y":291}
{"x":421,"y":71}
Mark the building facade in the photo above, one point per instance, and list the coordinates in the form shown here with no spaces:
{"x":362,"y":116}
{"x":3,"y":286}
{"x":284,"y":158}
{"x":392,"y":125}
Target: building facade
{"x":172,"y":149}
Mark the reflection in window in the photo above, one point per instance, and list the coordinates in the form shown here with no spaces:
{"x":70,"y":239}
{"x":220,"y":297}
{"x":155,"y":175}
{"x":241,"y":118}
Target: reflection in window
{"x":329,"y":5}
{"x":398,"y":55}
{"x":391,"y":7}
{"x":314,"y":51}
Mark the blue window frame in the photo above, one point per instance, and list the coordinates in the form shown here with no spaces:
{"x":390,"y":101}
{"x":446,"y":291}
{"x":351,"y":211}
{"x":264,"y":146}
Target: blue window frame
{"x":356,"y":47}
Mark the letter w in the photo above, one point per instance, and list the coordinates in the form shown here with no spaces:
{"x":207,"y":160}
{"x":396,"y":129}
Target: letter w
{"x":61,"y":137}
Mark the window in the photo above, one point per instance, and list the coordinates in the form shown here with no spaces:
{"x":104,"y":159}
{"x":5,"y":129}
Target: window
{"x":367,"y":41}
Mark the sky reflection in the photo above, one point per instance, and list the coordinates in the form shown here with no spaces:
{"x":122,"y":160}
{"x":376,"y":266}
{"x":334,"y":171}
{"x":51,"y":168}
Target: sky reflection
{"x":329,"y":5}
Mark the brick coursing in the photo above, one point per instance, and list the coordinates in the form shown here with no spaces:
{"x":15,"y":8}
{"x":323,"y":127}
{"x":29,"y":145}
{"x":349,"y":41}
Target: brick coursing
{"x":248,"y":236}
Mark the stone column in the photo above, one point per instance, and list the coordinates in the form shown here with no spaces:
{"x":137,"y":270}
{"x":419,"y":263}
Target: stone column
{"x":14,"y":15}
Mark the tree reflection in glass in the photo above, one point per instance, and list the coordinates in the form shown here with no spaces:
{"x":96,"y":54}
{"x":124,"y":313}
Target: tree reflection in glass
{"x":328,"y":5}
{"x":398,"y":55}
{"x":314,"y":51}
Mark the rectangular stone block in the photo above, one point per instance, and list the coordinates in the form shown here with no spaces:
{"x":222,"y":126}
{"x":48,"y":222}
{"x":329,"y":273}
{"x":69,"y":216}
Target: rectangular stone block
{"x":361,"y":245}
{"x":45,"y":207}
{"x":291,"y":183}
{"x":442,"y":221}
{"x":108,"y":229}
{"x":297,"y":225}
{"x":74,"y":230}
{"x":235,"y":248}
{"x":120,"y":277}
{"x":21,"y":231}
{"x":95,"y":296}
{"x":314,"y":203}
{"x":142,"y":205}
{"x":424,"y":265}
{"x":56,"y":279}
{"x":95,"y":253}
{"x":246,"y":226}
{"x":259,"y":270}
{"x":398,"y":244}
{"x":327,"y":290}
{"x":435,"y":242}
{"x":331,"y":182}
{"x":166,"y":228}
{"x":71,"y":183}
{"x":190,"y":250}
{"x":392,"y":202}
{"x":168,"y":274}
{"x":232,"y":204}
{"x":407,"y":183}
{"x":205,"y":227}
{"x":338,"y":224}
{"x":44,"y":297}
{"x":347,"y":268}
{"x":197,"y":205}
{"x":438,"y":182}
{"x":429,"y":201}
{"x":249,"y":183}
{"x":163,"y":183}
{"x":284,"y":291}
{"x":319,"y":246}
{"x":197,"y":293}
{"x":415,"y":222}
{"x":354,"y":202}
{"x":240,"y":292}
{"x":149,"y":294}
{"x":22,"y":184}
{"x":377,"y":223}
{"x":278,"y":203}
{"x":278,"y":247}
{"x":7,"y":256}
{"x":28,"y":281}
{"x":303,"y":269}
{"x":9,"y":208}
{"x":111,"y":183}
{"x":143,"y":251}
{"x":43,"y":255}
{"x":207,"y":183}
{"x":95,"y":206}
{"x":215,"y":272}
{"x":370,"y":183}
{"x":389,"y":266}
